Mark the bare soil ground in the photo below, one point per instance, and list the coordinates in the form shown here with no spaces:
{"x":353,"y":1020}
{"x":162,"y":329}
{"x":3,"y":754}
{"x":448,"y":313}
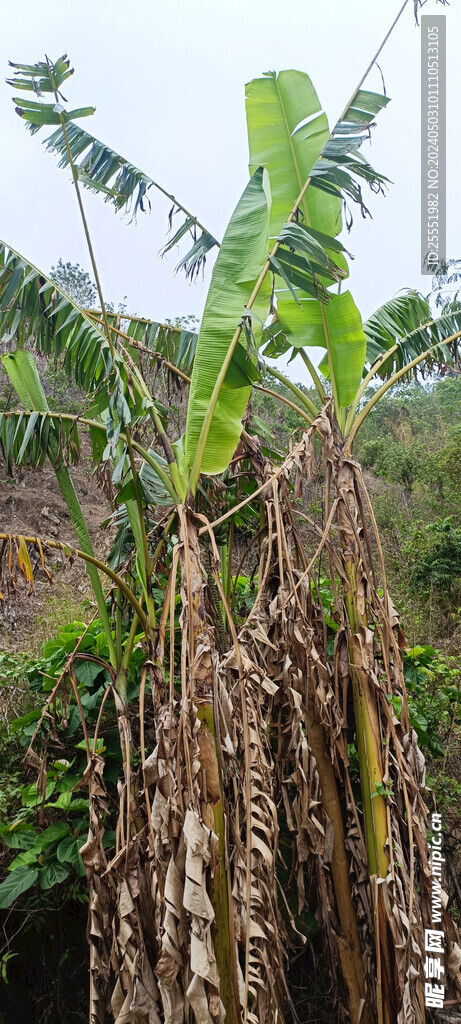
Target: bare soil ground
{"x":31,"y":504}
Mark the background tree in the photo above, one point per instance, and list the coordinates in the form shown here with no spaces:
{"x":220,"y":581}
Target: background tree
{"x":77,"y":282}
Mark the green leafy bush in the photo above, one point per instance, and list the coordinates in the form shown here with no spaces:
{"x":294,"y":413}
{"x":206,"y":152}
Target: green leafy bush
{"x":440,"y":567}
{"x":433,"y":682}
{"x":44,"y":823}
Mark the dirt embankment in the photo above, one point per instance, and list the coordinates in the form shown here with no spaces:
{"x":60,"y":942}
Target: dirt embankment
{"x":32,"y":504}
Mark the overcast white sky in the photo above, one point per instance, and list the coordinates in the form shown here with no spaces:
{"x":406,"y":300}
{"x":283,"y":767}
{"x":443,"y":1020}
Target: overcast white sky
{"x":168,"y":79}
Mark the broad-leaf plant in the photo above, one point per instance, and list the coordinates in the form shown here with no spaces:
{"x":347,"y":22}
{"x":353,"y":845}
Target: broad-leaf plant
{"x":243,"y":813}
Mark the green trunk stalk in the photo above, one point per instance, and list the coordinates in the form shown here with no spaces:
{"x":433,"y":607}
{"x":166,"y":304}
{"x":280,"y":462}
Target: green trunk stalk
{"x":118,"y":625}
{"x":122,"y":677}
{"x":374,"y":806}
{"x":348,"y":943}
{"x":365,"y":706}
{"x":365,"y":710}
{"x":220,"y":895}
{"x":212,"y":806}
{"x":224,"y":555}
{"x":230,"y":549}
{"x":368,"y":737}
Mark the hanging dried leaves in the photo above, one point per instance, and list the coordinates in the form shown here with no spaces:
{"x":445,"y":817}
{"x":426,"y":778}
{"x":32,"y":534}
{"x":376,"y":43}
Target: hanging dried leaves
{"x":246,"y":815}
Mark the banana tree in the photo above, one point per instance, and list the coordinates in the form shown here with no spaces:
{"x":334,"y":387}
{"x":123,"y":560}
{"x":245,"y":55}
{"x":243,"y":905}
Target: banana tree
{"x":310,"y":311}
{"x":191,"y":787}
{"x":187,"y":907}
{"x":101,"y":169}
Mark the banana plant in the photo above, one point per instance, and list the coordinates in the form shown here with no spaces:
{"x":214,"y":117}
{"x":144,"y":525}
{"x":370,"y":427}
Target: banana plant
{"x":398,"y":337}
{"x":208,"y":948}
{"x":120,"y":404}
{"x":101,"y":169}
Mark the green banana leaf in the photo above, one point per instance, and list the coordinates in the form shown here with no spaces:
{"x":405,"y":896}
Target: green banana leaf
{"x":282,"y":139}
{"x":283,"y":129}
{"x":99,"y":168}
{"x":34,"y":311}
{"x":335,"y":326}
{"x":406,"y":321}
{"x":24,"y":437}
{"x":22,"y":372}
{"x":241,"y":258}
